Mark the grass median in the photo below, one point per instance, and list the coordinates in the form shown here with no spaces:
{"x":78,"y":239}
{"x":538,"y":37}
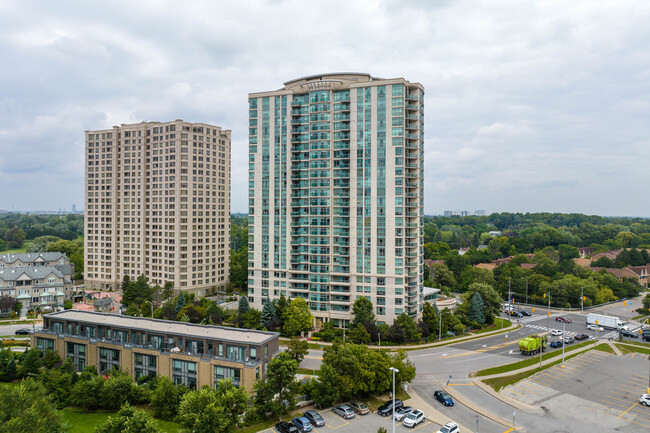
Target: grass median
{"x":530,"y":361}
{"x":628,"y":348}
{"x":499,"y":383}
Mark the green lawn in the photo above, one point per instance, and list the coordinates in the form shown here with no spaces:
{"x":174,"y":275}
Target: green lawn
{"x":80,"y":422}
{"x":16,"y":322}
{"x":15,"y":250}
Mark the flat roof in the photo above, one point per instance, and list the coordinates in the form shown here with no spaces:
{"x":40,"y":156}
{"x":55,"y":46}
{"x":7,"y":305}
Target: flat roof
{"x":167,"y":326}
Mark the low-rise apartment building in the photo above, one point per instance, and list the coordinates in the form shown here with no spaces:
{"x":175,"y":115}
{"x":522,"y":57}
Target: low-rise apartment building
{"x":189,"y":354}
{"x":36,"y":279}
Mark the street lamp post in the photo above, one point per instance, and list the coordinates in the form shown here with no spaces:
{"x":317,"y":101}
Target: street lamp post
{"x":563,"y":340}
{"x":476,"y":423}
{"x":526,"y":290}
{"x":394,"y":370}
{"x":439,"y":325}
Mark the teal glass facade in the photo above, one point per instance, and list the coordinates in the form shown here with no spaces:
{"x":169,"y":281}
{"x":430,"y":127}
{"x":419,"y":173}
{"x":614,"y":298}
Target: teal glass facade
{"x":336,"y":195}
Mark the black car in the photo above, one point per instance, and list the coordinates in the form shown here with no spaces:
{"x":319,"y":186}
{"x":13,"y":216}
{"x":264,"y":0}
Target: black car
{"x":581,"y":337}
{"x":630,"y":334}
{"x":443,"y":397}
{"x":24,"y":331}
{"x":556,"y":343}
{"x":315,"y":418}
{"x":514,"y":313}
{"x":387,"y":408}
{"x":285,"y":427}
{"x":525,"y":313}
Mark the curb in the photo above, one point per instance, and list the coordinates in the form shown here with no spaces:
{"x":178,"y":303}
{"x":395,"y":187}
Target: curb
{"x":432,"y":414}
{"x":460,"y":399}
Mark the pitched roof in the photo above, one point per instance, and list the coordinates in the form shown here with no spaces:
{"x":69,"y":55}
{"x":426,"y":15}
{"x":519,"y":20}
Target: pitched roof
{"x":32,"y":257}
{"x":33,"y":272}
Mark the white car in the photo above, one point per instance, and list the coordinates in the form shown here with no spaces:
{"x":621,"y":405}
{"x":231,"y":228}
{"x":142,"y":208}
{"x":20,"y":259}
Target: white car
{"x":556,"y":333}
{"x":414,"y":418}
{"x":592,"y":327}
{"x":450,"y":427}
{"x":644,"y":400}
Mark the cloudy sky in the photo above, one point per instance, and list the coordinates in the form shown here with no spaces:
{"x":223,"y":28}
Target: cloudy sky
{"x":530,"y":106}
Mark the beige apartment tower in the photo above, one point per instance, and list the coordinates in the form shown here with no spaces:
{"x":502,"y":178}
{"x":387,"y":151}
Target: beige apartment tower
{"x":157,"y":202}
{"x":336,"y":195}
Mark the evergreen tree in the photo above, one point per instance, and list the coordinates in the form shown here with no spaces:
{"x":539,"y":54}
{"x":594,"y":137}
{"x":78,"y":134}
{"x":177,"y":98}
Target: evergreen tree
{"x":268,"y":315}
{"x":475,"y":311}
{"x":280,"y":307}
{"x":243,"y":305}
{"x":180,"y":303}
{"x":11,"y":372}
{"x":362,"y":310}
{"x":31,"y":364}
{"x":359,"y":334}
{"x":430,"y":316}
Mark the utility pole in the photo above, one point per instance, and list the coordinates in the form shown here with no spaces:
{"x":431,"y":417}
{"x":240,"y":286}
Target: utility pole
{"x":509,"y":297}
{"x":526,"y":290}
{"x":563,"y":341}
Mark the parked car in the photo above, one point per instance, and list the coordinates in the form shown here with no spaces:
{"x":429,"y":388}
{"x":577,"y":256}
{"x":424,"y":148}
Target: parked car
{"x":556,"y":343}
{"x":315,"y":418}
{"x":344,"y":411}
{"x":592,"y":327}
{"x":285,"y":427}
{"x":581,"y":337}
{"x":514,"y":313}
{"x":525,"y":313}
{"x":359,"y":407}
{"x":414,"y":418}
{"x":556,"y":333}
{"x":563,"y":319}
{"x":630,"y":334}
{"x":569,"y":340}
{"x":645,"y":399}
{"x":24,"y":331}
{"x":443,"y":397}
{"x":387,"y":408}
{"x":450,"y":427}
{"x":402,"y":412}
{"x":302,"y":423}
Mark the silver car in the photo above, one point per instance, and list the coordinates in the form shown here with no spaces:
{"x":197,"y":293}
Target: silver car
{"x":344,"y":411}
{"x":402,"y":412}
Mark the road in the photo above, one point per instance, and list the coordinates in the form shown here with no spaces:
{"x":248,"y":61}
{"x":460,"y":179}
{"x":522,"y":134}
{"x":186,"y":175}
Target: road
{"x":450,"y":365}
{"x":9,"y":330}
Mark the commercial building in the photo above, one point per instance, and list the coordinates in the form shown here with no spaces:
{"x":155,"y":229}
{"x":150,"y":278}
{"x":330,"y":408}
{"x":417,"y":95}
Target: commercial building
{"x":336,"y":195}
{"x":189,"y":354}
{"x":157,"y":202}
{"x":37,"y":279}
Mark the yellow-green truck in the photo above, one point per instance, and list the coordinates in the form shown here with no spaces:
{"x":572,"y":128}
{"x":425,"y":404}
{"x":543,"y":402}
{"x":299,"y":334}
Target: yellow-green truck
{"x":531,"y":345}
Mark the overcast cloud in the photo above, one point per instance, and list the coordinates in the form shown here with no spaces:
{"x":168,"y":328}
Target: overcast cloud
{"x":530,"y":106}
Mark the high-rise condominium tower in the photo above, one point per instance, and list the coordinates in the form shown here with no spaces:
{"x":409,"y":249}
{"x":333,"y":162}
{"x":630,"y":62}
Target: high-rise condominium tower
{"x":157,"y":203}
{"x":336,"y":195}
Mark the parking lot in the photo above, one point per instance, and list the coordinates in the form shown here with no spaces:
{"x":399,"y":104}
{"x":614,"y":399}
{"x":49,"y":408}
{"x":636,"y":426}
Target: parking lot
{"x":596,"y":384}
{"x":365,"y":423}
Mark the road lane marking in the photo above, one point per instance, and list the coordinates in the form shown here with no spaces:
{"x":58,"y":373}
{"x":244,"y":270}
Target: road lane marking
{"x":628,"y":409}
{"x":509,"y":430}
{"x":611,"y":403}
{"x":461,"y":384}
{"x":633,"y":353}
{"x":421,"y":425}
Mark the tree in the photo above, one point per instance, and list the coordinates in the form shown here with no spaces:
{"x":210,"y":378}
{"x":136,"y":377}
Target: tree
{"x":280,"y":384}
{"x":491,"y":301}
{"x":251,"y":319}
{"x":87,"y":393}
{"x":67,"y":305}
{"x":119,"y":389}
{"x":359,"y":335}
{"x":31,"y":364}
{"x":280,"y":305}
{"x":168,"y":290}
{"x":167,"y":311}
{"x":430,"y":316}
{"x":298,"y":318}
{"x":180,"y":302}
{"x":239,"y":268}
{"x":324,"y":390}
{"x":297,"y":349}
{"x":207,"y":411}
{"x":403,"y":329}
{"x":269,"y":319}
{"x":243,"y":305}
{"x":475,"y":311}
{"x":165,"y":398}
{"x":15,"y":237}
{"x":214,"y":314}
{"x":441,"y":276}
{"x":194,"y":314}
{"x":40,"y":243}
{"x":7,"y":303}
{"x":58,"y":384}
{"x":362,"y":310}
{"x":128,"y":420}
{"x":50,"y":358}
{"x":27,"y":408}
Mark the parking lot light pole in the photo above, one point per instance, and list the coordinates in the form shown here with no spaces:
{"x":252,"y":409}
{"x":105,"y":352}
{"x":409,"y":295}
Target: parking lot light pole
{"x":563,"y":341}
{"x":394,"y":370}
{"x":476,"y":423}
